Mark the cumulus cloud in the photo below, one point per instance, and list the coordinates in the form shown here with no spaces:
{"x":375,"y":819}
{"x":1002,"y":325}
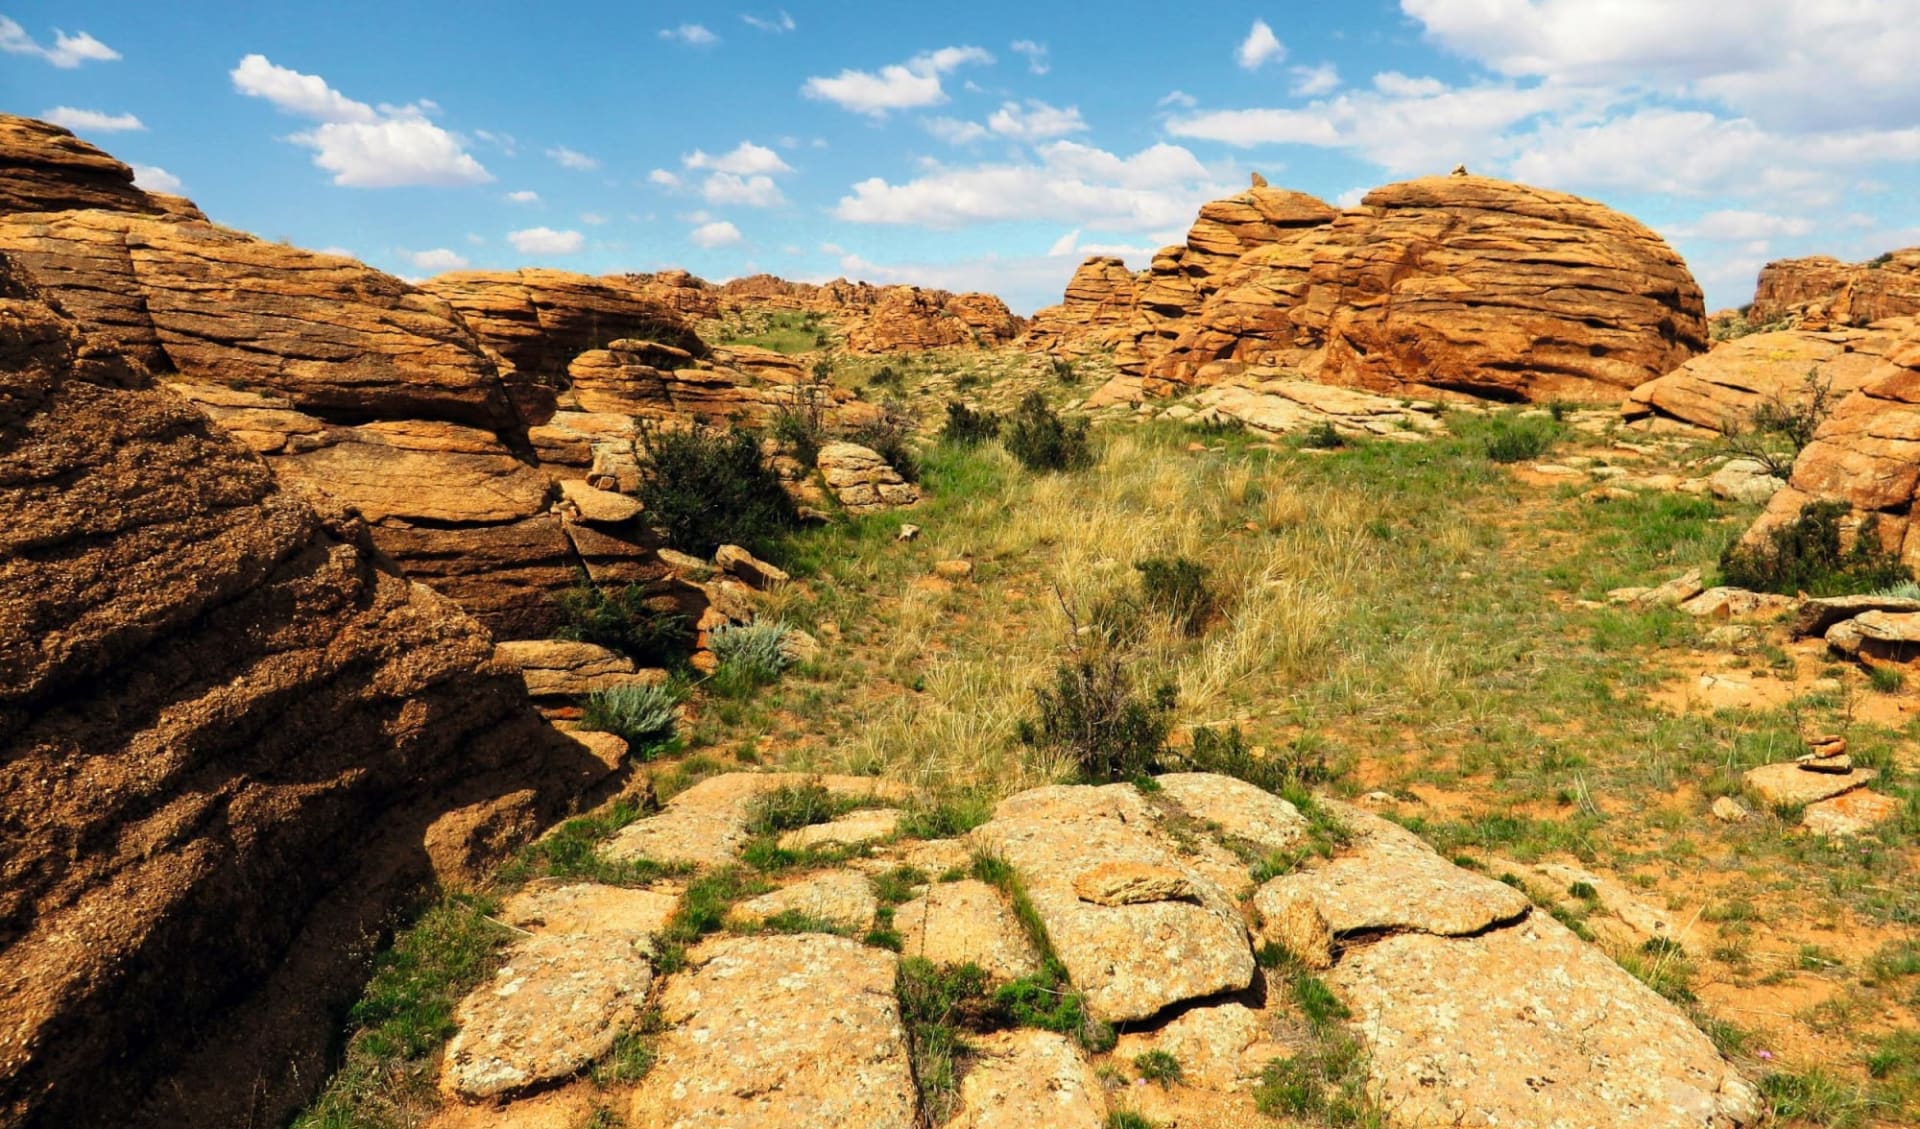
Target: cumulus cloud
{"x":524,"y":196}
{"x":1259,"y":48}
{"x":153,"y":178}
{"x":663,"y":178}
{"x":752,"y":191}
{"x":363,"y":147}
{"x":592,"y":219}
{"x":1035,"y":121}
{"x":1159,"y":187}
{"x":744,"y":159}
{"x":91,"y":121}
{"x":67,"y":52}
{"x":953,"y":131}
{"x":1742,"y":225}
{"x":1311,"y":82}
{"x":1179,"y":98}
{"x":693,"y":35}
{"x":778,"y":25}
{"x":572,"y":159}
{"x":898,"y":86}
{"x":435,"y":261}
{"x":715,"y":233}
{"x":546,"y":241}
{"x":1034,"y":53}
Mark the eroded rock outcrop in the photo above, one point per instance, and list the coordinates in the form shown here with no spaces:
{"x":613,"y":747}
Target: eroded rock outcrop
{"x":232,"y":742}
{"x":45,"y":168}
{"x":1102,"y":297}
{"x":883,"y":319}
{"x":1821,"y":291}
{"x":1721,"y":389}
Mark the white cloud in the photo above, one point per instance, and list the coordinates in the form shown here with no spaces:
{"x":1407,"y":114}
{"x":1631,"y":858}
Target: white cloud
{"x":1158,"y":187}
{"x":502,"y":141}
{"x":752,"y":191}
{"x":663,"y":178}
{"x":1259,"y":48}
{"x":1351,"y":197}
{"x":1179,"y":98}
{"x":524,"y":196}
{"x":953,"y":131}
{"x":778,"y":25}
{"x":435,"y":261}
{"x":476,"y":239}
{"x":1035,"y":121}
{"x":153,"y":178}
{"x":572,"y":159}
{"x":717,"y":233}
{"x":898,"y":86}
{"x":745,"y":159}
{"x":1066,"y":244}
{"x":1311,"y":82}
{"x":67,"y":52}
{"x":693,"y":35}
{"x":361,"y":146}
{"x":592,"y":219}
{"x":1035,"y":54}
{"x":92,"y":121}
{"x":546,"y":241}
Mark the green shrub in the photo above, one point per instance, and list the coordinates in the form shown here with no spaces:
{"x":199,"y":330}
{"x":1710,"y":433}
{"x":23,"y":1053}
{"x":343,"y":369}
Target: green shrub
{"x":1326,"y":1082}
{"x":887,"y":377}
{"x":1517,"y":440}
{"x":704,"y":488}
{"x":640,"y":715}
{"x":1804,"y":555}
{"x":791,"y":807}
{"x":1225,"y":752}
{"x":890,"y":435}
{"x":750,"y":656}
{"x":1063,"y":370}
{"x":799,"y":422}
{"x":1041,"y":440}
{"x":1177,"y":587}
{"x":620,"y":619}
{"x":1322,"y":437}
{"x":1045,"y":1000}
{"x":937,"y":1005}
{"x":1093,"y":713}
{"x":1158,"y":1066}
{"x":967,"y":427}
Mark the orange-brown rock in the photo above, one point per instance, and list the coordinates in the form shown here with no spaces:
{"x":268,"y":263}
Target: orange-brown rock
{"x":227,"y":735}
{"x":1248,"y":319}
{"x":883,"y":319}
{"x":45,"y":168}
{"x":1500,"y":290}
{"x":686,"y":294}
{"x":1822,"y":291}
{"x":1722,"y":388}
{"x":1867,"y":455}
{"x":1102,"y":298}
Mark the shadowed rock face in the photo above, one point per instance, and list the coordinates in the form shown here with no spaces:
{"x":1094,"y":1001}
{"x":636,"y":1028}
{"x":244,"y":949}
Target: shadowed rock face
{"x":45,"y":168}
{"x":1821,"y":291}
{"x":226,"y":734}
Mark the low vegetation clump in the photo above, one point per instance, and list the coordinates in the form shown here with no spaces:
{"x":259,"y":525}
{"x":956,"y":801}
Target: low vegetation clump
{"x":1780,"y":428}
{"x":793,"y":806}
{"x":968,"y":427}
{"x":1322,"y":437}
{"x":937,"y":1006}
{"x":1805,"y":555}
{"x":889,"y":434}
{"x":643,"y":716}
{"x":750,"y":655}
{"x":1286,"y":771}
{"x":704,"y":488}
{"x":1158,"y":1067}
{"x":1110,"y":730}
{"x":571,"y":851}
{"x":1042,"y":440}
{"x":799,"y":423}
{"x":1177,"y":588}
{"x":1517,"y":439}
{"x":621,"y":619}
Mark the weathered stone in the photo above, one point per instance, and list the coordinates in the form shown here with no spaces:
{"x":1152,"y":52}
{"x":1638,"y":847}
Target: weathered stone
{"x":1131,"y":884}
{"x":1722,"y":389}
{"x":1790,"y":785}
{"x":966,"y":922}
{"x":1210,"y":1043}
{"x":780,"y":1030}
{"x":838,"y":898}
{"x":588,"y":907}
{"x":953,"y":570}
{"x":1735,"y":603}
{"x":603,"y":507}
{"x":851,"y":830}
{"x":1027,"y":1079}
{"x":862,"y":480}
{"x":1726,"y":809}
{"x":1673,"y":593}
{"x":1820,"y":291}
{"x":1815,"y":616}
{"x":45,"y":168}
{"x":1237,"y":808}
{"x":744,"y":566}
{"x":1101,"y":299}
{"x":707,"y":824}
{"x":557,"y":1004}
{"x":556,"y":668}
{"x":1852,"y":813}
{"x":1529,"y":1027}
{"x":1275,"y":405}
{"x":1131,"y":961}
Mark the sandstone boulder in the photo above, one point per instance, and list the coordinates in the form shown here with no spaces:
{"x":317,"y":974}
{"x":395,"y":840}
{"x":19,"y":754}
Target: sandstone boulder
{"x":1791,"y":784}
{"x":862,"y":481}
{"x":966,"y":922}
{"x":1822,"y":291}
{"x":1022,"y":1079}
{"x":1102,"y":298}
{"x":707,"y":823}
{"x":1722,"y":388}
{"x":45,"y":168}
{"x":560,"y":668}
{"x":837,"y":899}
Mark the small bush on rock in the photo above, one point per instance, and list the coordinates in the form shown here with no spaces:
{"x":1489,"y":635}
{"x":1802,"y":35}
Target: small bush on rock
{"x":640,"y":715}
{"x":1092,"y":711}
{"x":967,"y":427}
{"x":890,"y":435}
{"x":704,"y":488}
{"x":1804,"y":555}
{"x":1177,"y":587}
{"x":1517,"y":440}
{"x":620,"y":620}
{"x":750,"y":656}
{"x":1225,"y":752}
{"x":1041,"y":440}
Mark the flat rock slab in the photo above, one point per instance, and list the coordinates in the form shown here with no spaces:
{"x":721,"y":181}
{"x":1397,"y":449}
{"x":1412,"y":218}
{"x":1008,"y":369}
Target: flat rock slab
{"x":1854,"y":813}
{"x":839,"y":898}
{"x":557,"y":1004}
{"x":706,"y":825}
{"x":588,"y":907}
{"x":556,"y":668}
{"x":1528,"y":1027}
{"x":1028,"y":1079}
{"x":1211,"y":1044}
{"x":966,"y":922}
{"x":1789,"y":785}
{"x":1237,"y":808}
{"x":868,"y":825}
{"x":1388,"y":880}
{"x":1131,"y":961}
{"x":1814,"y":616}
{"x":785,"y":1030}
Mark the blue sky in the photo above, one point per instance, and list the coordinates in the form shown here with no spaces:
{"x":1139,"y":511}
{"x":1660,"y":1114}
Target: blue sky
{"x":986,"y":145}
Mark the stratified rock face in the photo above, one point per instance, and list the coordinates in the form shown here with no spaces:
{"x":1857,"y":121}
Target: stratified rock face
{"x":883,"y":319}
{"x":540,"y":320}
{"x":1499,"y":290}
{"x":1722,"y":388}
{"x":1867,"y":455}
{"x":1248,"y":319}
{"x":45,"y":168}
{"x":225,"y":733}
{"x":681,"y":291}
{"x":1822,"y":291}
{"x":1102,"y":297}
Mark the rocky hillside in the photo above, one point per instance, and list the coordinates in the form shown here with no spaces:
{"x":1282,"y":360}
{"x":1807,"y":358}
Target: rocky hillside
{"x":1461,"y":284}
{"x":1821,"y":291}
{"x":233,"y":742}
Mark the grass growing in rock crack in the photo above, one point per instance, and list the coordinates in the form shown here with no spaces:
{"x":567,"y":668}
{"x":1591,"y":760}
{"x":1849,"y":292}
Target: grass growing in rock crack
{"x":571,"y":851}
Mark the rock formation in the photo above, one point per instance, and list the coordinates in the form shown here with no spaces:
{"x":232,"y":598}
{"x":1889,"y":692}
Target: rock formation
{"x":1102,"y":298}
{"x":231,"y":741}
{"x":1721,"y":389}
{"x":1456,"y":283}
{"x":44,"y":168}
{"x":883,"y":319}
{"x":681,"y":291}
{"x":1822,"y":291}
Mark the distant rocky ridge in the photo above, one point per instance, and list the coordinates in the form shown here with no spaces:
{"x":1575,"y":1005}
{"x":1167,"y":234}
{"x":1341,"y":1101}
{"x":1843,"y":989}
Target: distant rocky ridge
{"x":872,"y":319}
{"x":1459,"y":284}
{"x":232,"y":741}
{"x":1821,"y":292}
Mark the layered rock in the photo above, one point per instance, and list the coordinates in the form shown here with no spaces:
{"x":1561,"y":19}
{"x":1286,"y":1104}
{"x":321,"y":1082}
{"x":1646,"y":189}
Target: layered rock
{"x":883,"y":319}
{"x":1102,"y":298}
{"x":231,"y":743}
{"x":681,"y":291}
{"x":1721,"y":389}
{"x":45,"y":168}
{"x":1822,"y":291}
